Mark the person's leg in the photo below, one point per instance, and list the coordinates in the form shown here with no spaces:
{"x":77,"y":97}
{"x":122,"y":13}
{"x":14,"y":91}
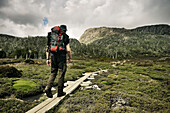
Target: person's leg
{"x":61,"y":74}
{"x":52,"y":77}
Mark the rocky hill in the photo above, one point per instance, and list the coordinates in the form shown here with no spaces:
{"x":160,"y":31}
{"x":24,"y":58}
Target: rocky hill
{"x":162,"y":29}
{"x":93,"y":34}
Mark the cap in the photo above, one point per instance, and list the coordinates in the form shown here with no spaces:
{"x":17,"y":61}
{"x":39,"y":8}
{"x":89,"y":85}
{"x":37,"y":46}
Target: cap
{"x":64,"y":27}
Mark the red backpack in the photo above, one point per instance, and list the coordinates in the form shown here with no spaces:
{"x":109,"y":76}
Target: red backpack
{"x":57,"y":43}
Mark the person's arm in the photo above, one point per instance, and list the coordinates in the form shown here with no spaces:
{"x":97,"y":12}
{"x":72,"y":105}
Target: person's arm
{"x":69,"y":52}
{"x":47,"y":49}
{"x":48,"y":56}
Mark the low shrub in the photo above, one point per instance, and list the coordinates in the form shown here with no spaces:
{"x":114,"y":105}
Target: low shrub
{"x":10,"y":61}
{"x":9,"y":71}
{"x":14,"y":106}
{"x":29,"y":61}
{"x":5,"y":87}
{"x":145,"y":64}
{"x":77,"y":67}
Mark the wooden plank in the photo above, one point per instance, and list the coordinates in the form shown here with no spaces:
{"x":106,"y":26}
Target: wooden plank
{"x":51,"y":102}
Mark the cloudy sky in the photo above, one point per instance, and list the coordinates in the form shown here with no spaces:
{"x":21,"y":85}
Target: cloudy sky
{"x":36,"y":17}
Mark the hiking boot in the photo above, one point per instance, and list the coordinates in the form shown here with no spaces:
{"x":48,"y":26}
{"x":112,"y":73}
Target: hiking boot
{"x":48,"y":93}
{"x":61,"y":94}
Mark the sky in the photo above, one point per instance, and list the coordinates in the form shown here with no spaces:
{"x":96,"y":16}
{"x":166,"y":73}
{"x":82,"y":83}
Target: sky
{"x":25,"y":18}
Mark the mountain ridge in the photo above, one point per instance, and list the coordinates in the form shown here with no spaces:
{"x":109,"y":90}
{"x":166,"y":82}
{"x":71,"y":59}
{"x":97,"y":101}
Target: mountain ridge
{"x":93,"y":34}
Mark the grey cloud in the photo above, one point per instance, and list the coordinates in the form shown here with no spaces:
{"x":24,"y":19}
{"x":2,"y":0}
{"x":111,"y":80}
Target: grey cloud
{"x":153,"y":12}
{"x":82,"y":14}
{"x":4,"y":3}
{"x":22,"y":14}
{"x":49,"y":2}
{"x":26,"y":19}
{"x":23,"y":19}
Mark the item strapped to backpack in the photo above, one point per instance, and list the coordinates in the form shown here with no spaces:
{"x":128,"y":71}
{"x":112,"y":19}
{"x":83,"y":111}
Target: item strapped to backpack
{"x":57,"y":42}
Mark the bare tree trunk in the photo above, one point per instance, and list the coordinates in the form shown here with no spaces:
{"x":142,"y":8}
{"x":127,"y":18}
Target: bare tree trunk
{"x":116,"y":55}
{"x":15,"y":56}
{"x":26,"y":56}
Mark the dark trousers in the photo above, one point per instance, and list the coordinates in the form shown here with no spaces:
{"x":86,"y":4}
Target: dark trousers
{"x":58,"y":66}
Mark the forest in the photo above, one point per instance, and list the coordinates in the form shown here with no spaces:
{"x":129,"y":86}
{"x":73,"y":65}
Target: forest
{"x":118,"y":46}
{"x":142,"y":41}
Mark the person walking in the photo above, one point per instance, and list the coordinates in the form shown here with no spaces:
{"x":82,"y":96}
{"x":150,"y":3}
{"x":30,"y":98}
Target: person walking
{"x":58,"y":46}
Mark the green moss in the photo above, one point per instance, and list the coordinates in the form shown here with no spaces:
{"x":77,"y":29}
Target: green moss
{"x":104,"y":82}
{"x":24,"y":85}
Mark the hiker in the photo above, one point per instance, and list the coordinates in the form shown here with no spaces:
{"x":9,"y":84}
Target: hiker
{"x":58,"y":46}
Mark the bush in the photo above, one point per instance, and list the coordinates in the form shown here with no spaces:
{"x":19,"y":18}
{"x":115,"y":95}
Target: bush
{"x":29,"y":61}
{"x":8,"y":71}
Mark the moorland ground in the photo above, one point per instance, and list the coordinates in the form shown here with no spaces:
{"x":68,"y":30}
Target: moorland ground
{"x":131,"y":85}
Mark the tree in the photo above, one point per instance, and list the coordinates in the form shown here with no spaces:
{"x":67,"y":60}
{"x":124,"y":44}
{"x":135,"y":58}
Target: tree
{"x":2,"y":54}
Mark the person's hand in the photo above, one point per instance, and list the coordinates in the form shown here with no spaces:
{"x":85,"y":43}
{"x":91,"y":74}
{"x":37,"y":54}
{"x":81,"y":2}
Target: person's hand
{"x":69,"y":60}
{"x":48,"y":62}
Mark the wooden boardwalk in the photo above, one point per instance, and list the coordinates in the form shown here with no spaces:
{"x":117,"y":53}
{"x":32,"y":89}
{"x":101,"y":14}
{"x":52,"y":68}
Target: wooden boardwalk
{"x":51,"y":102}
